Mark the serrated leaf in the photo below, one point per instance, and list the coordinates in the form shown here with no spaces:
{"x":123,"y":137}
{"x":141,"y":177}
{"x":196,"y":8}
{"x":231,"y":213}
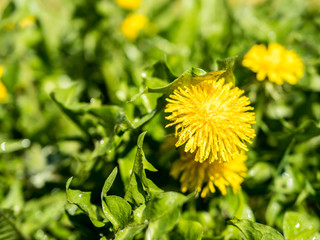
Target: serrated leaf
{"x":300,"y":226}
{"x":192,"y":76}
{"x":227,"y":64}
{"x":8,"y":229}
{"x":187,"y":229}
{"x":117,"y":210}
{"x":256,"y":231}
{"x":83,"y":201}
{"x":138,"y":224}
{"x":189,"y":77}
{"x":138,"y":191}
{"x":108,"y":183}
{"x":153,"y":188}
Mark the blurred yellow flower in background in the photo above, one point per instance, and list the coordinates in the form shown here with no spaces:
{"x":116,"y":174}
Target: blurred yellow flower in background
{"x":26,"y":22}
{"x":204,"y":177}
{"x":211,"y":119}
{"x":129,"y":4}
{"x":276,"y":63}
{"x":133,"y":24}
{"x":246,"y":2}
{"x":3,"y":90}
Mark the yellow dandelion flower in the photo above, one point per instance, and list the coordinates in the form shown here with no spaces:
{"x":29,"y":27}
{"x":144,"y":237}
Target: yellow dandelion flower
{"x":3,"y":93}
{"x":211,"y":119}
{"x":26,"y":22}
{"x":1,"y":71}
{"x":3,"y":89}
{"x":246,"y":2}
{"x":276,"y":63}
{"x":129,"y":4}
{"x":132,"y":25}
{"x":204,"y":177}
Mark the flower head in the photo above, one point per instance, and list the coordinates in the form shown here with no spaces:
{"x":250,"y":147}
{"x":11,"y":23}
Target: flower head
{"x":26,"y":22}
{"x":204,"y":177}
{"x":129,"y":4}
{"x":276,"y":63}
{"x":211,"y":119}
{"x":133,"y":24}
{"x":3,"y":90}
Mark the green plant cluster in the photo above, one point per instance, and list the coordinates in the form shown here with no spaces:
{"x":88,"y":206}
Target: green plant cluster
{"x":85,"y":112}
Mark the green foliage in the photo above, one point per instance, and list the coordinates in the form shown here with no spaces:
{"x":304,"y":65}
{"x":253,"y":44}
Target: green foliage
{"x":253,"y":231}
{"x":153,"y":209}
{"x":86,"y":102}
{"x":187,"y":229}
{"x":8,"y":229}
{"x":300,"y":226}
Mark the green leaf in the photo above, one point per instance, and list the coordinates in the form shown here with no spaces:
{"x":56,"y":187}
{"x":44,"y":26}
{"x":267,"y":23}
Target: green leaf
{"x":187,"y":229}
{"x":260,"y":172}
{"x":117,"y":210}
{"x":161,"y":102}
{"x":108,"y":183}
{"x":236,"y":205}
{"x":126,"y":166}
{"x":129,"y":232}
{"x":273,"y":210}
{"x":256,"y":231}
{"x":227,"y":65}
{"x":83,"y":201}
{"x":8,"y":229}
{"x":163,"y":212}
{"x":73,"y":113}
{"x":163,"y":225}
{"x":137,"y":225}
{"x":192,"y":76}
{"x":111,"y":116}
{"x":163,"y":204}
{"x":189,"y":77}
{"x":138,"y":191}
{"x":300,"y":226}
{"x":160,"y":70}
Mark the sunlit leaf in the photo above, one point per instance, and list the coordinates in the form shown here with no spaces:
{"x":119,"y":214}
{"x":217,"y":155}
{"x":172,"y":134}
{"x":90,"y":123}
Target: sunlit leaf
{"x":117,"y":210}
{"x":255,"y":231}
{"x":83,"y":201}
{"x":187,"y":229}
{"x":300,"y":226}
{"x":138,"y":191}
